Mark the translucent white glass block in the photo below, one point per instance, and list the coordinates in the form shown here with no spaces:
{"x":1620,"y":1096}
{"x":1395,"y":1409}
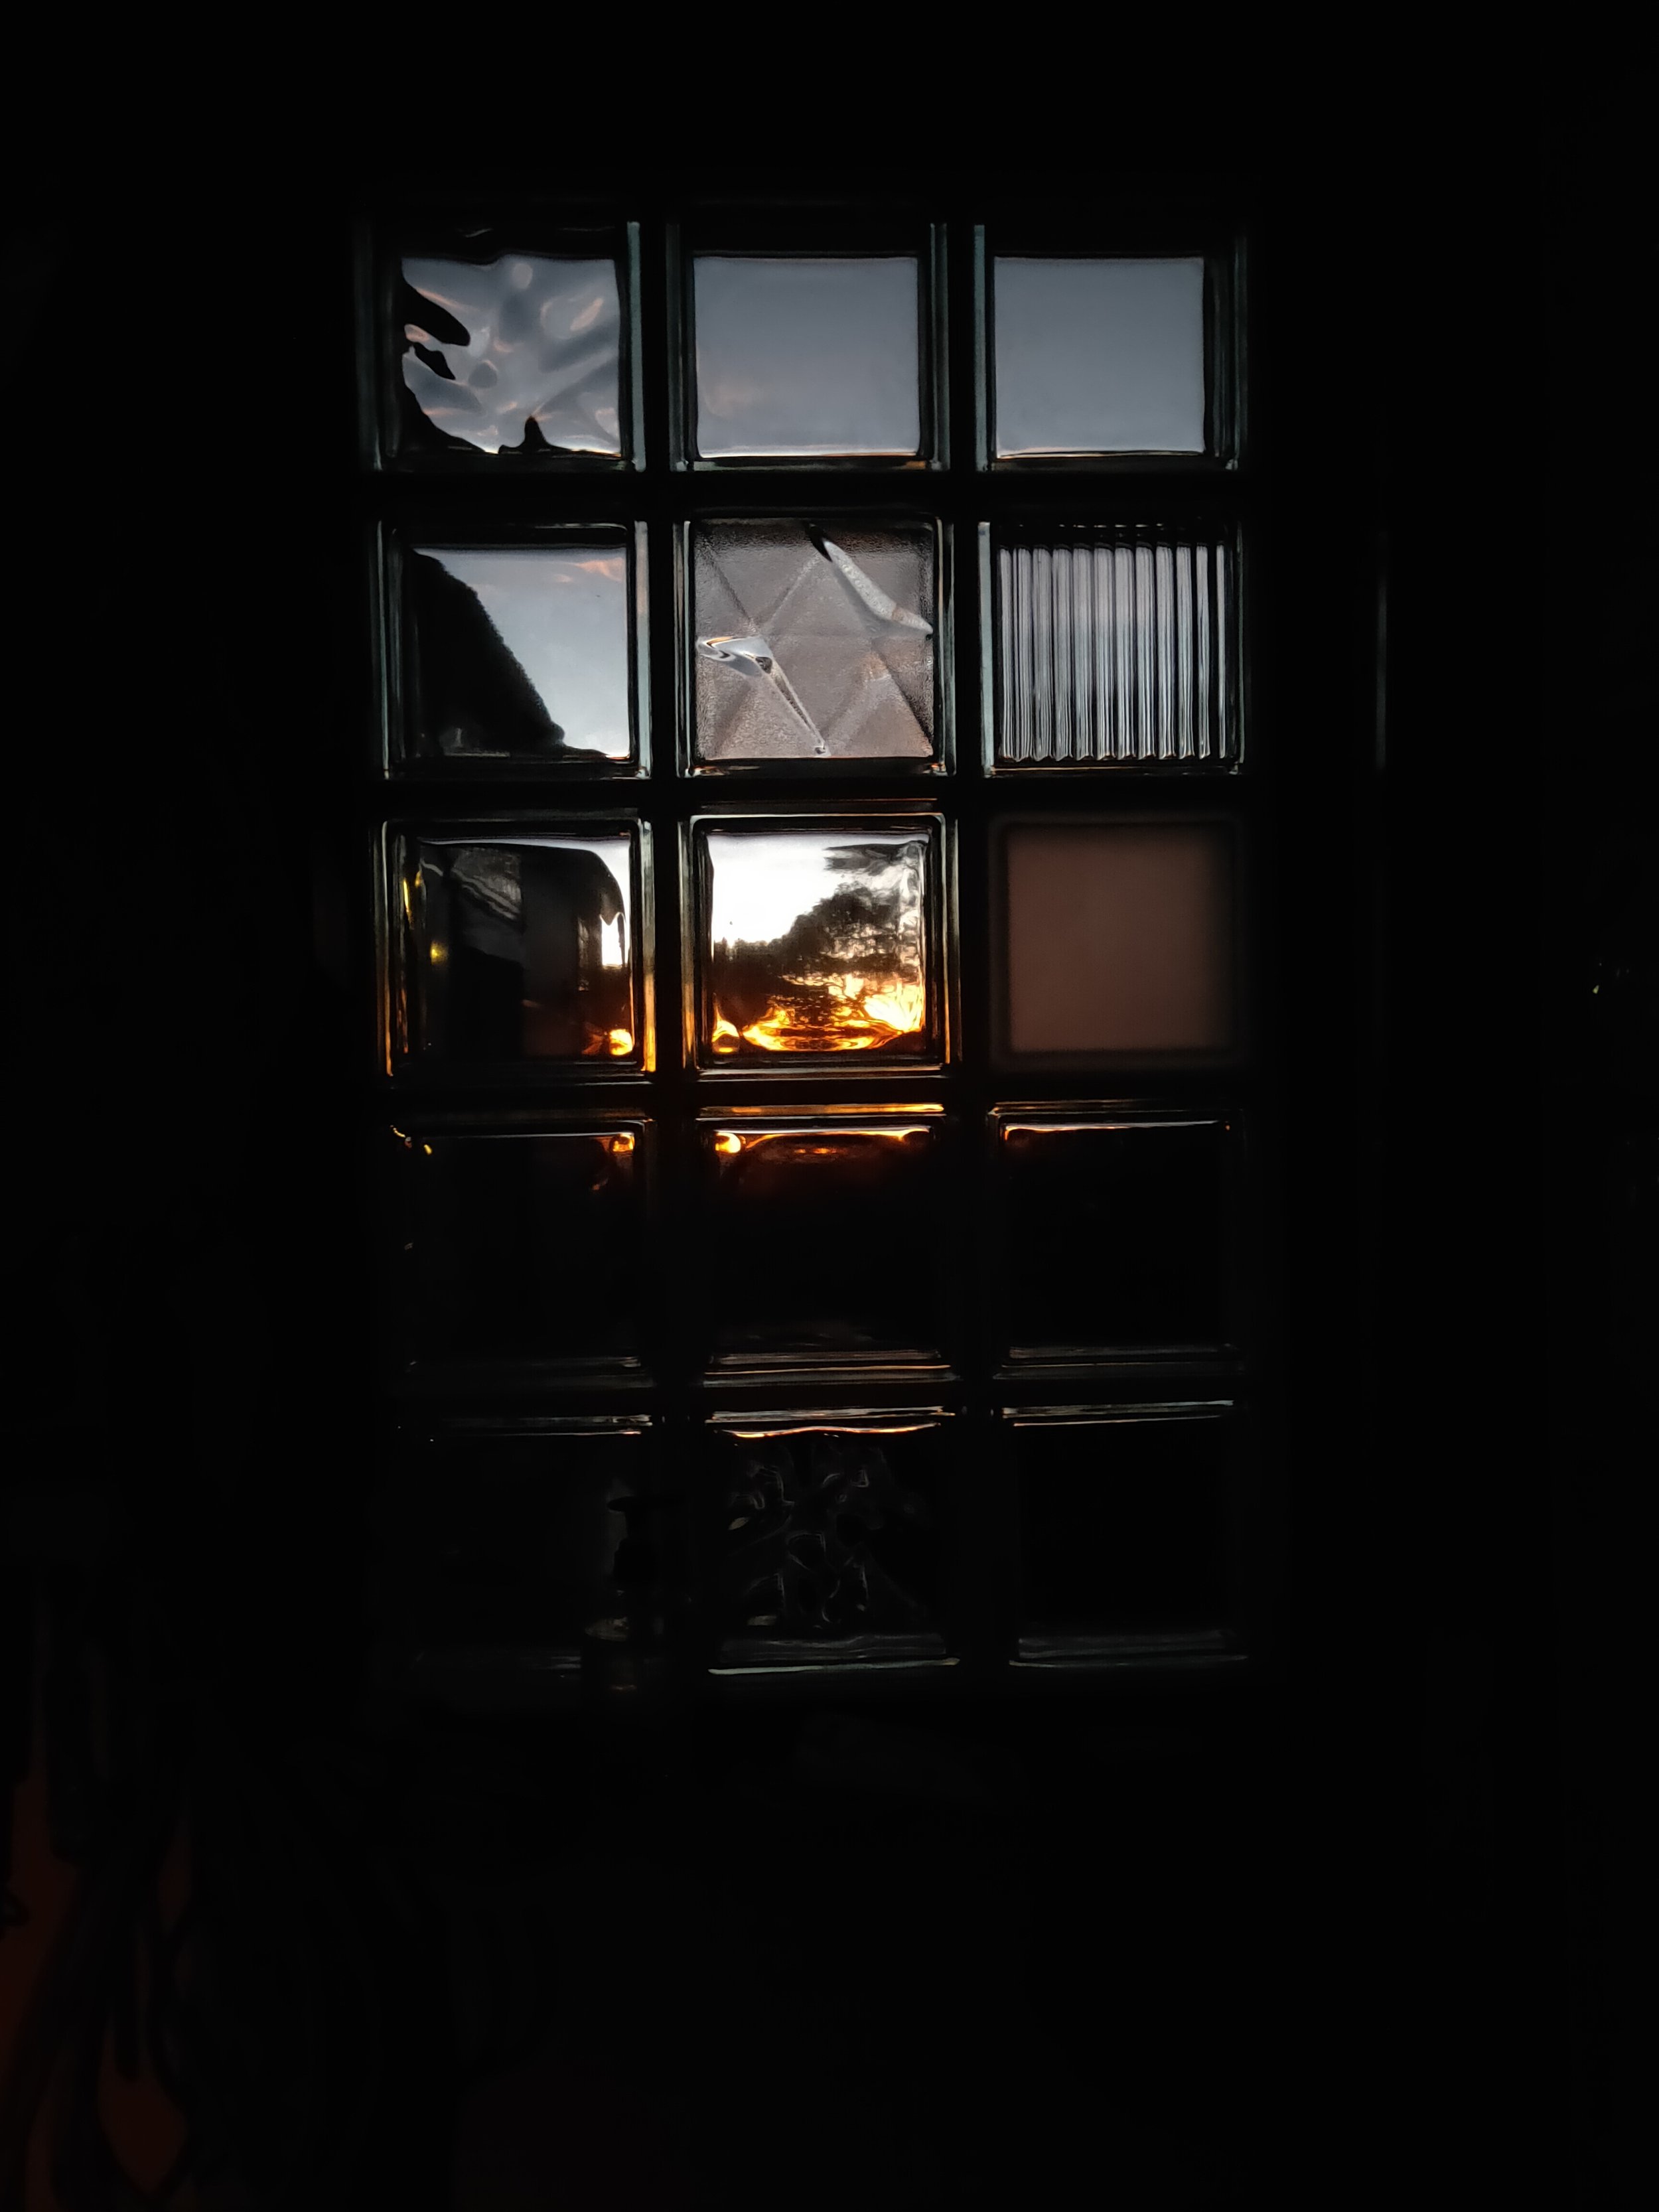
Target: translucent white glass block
{"x":807,"y":357}
{"x":520,"y":354}
{"x":1098,"y":356}
{"x":1115,"y":647}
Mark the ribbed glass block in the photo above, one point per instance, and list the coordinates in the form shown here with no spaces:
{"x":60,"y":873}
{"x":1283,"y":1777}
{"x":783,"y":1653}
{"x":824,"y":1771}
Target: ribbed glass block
{"x":1116,"y":646}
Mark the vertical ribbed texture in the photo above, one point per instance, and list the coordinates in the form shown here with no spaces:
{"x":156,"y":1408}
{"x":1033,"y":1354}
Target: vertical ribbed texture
{"x":1114,"y":650}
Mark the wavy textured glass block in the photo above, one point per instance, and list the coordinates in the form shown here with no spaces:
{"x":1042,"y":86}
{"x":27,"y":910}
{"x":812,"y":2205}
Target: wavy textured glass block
{"x":1098,"y":356}
{"x":520,"y":654}
{"x":1114,"y":1235}
{"x":812,"y":647}
{"x":519,"y":354}
{"x":821,"y":1244}
{"x":1122,"y":1524}
{"x":1120,"y":938}
{"x":520,"y":950}
{"x":817,"y":943}
{"x":1113,"y":647}
{"x":522,"y":1248}
{"x":829,"y":1548}
{"x":807,"y":357}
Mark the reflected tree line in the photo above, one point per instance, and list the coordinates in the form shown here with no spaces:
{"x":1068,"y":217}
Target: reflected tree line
{"x":869,"y":926}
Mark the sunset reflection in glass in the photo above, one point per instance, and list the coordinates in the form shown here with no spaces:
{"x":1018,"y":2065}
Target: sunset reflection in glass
{"x":817,"y":941}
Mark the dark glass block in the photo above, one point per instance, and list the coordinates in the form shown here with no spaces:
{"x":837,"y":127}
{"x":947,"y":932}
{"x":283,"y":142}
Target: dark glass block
{"x":502,"y":1541}
{"x":831,"y":1545}
{"x":519,"y":653}
{"x":1123,"y":1523}
{"x":524,"y":1247}
{"x":519,"y":354}
{"x":823,"y":1242}
{"x":802,"y":356}
{"x":812,"y":643}
{"x":818,"y":942}
{"x":1098,"y":355}
{"x":521,"y":950}
{"x":1114,"y":647}
{"x":1113,"y":1236}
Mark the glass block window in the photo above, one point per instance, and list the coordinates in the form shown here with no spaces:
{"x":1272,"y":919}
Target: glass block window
{"x":1098,"y":355}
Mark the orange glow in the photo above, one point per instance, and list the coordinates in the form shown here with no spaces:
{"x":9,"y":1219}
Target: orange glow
{"x":727,"y":1140}
{"x":620,"y":1041}
{"x":622,"y":1141}
{"x":829,"y":1146}
{"x":843,"y":1015}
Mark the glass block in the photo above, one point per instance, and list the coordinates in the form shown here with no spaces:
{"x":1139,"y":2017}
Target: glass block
{"x":500,"y":1540}
{"x":519,"y":354}
{"x":830,"y":1536}
{"x":522,"y":1247}
{"x":804,"y":357}
{"x":812,"y":644}
{"x":1120,"y":938}
{"x":1114,"y":646}
{"x":1114,"y":1235}
{"x":818,"y":942}
{"x":518,"y":949}
{"x":1122,"y":1522}
{"x":797,"y":1214}
{"x":1098,"y":356}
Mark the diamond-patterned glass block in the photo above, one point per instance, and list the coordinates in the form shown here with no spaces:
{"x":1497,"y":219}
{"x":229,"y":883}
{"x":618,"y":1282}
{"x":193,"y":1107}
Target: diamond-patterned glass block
{"x":823,"y":1240}
{"x":519,"y":653}
{"x":1114,"y":1234}
{"x":829,"y":1548}
{"x":1123,"y":1521}
{"x":813,"y":643}
{"x":521,"y":1248}
{"x":817,"y":943}
{"x":518,"y":949}
{"x":1101,"y":355}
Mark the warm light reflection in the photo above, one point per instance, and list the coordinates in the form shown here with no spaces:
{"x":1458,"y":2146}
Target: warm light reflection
{"x":845,"y":1014}
{"x":622,"y":1142}
{"x":832,"y":1147}
{"x":895,"y":1429}
{"x":727,"y":1140}
{"x":619,"y":1042}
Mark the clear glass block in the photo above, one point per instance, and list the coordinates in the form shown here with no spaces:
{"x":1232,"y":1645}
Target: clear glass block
{"x":521,"y":1248}
{"x":1114,"y":646}
{"x":805,"y":357}
{"x":518,"y":949}
{"x":796,"y":1212}
{"x":1114,"y":1235}
{"x":502,"y":1541}
{"x":520,"y":652}
{"x":812,"y":644}
{"x":519,"y":354}
{"x":1098,"y":356}
{"x":1122,"y":1522}
{"x":1120,"y":938}
{"x":829,"y":1546}
{"x":818,"y":942}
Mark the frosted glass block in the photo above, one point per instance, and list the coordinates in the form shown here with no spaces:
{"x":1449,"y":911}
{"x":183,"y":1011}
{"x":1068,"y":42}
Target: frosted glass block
{"x":794,"y":1214}
{"x":830,"y":1546}
{"x":1114,"y":646}
{"x":520,"y":948}
{"x":1098,"y":356}
{"x":807,"y":357}
{"x":1114,"y":1235}
{"x":812,"y":647}
{"x":520,"y":653}
{"x":1123,"y":1523}
{"x":818,"y":942}
{"x":1120,"y":938}
{"x":519,"y":354}
{"x":522,"y":1247}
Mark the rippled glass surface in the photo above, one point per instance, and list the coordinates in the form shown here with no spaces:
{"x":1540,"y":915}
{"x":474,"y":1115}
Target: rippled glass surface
{"x":519,"y":354}
{"x":1114,"y":1235}
{"x":1098,"y":356}
{"x":1120,"y":938}
{"x":522,"y":1247}
{"x":811,"y":646}
{"x":520,"y":950}
{"x":805,"y":357}
{"x":1114,"y":647}
{"x":818,"y":942}
{"x":830,"y":1547}
{"x":822,"y":1243}
{"x":1122,"y":1527}
{"x":519,"y":654}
